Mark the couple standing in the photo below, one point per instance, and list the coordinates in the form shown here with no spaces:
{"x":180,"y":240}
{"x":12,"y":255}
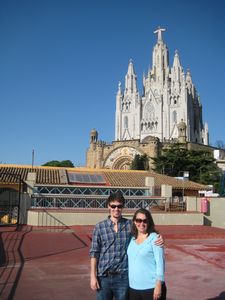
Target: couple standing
{"x":119,"y":245}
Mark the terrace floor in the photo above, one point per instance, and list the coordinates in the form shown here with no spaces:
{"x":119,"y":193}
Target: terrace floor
{"x":44,"y":263}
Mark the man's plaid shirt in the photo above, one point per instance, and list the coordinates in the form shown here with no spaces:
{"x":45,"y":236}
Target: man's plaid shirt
{"x":110,"y":247}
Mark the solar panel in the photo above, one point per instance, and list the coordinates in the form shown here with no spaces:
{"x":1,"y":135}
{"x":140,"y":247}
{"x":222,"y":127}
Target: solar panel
{"x":86,"y":178}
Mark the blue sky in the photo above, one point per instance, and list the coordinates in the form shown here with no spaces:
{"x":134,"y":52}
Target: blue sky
{"x":61,"y":61}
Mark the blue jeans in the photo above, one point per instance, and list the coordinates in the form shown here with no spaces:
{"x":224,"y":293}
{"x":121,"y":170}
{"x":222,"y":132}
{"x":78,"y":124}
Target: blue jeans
{"x":113,"y":286}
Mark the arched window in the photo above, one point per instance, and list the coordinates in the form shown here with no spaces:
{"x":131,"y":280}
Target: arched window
{"x":174,"y":116}
{"x":125,"y":122}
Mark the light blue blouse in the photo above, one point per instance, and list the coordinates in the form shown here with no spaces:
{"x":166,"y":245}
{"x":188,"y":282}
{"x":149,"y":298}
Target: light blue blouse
{"x":146,"y":263}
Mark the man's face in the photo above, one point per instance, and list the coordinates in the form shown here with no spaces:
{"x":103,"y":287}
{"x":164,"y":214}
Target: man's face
{"x":115,"y":208}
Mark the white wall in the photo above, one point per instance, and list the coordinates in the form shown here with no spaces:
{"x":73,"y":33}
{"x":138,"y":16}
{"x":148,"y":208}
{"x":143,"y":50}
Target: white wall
{"x":62,"y":217}
{"x":216,"y":210}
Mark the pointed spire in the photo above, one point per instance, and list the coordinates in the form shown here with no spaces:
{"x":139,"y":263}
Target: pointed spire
{"x":160,"y":58}
{"x":131,"y":67}
{"x":119,"y":92}
{"x":159,"y":31}
{"x":143,"y":77}
{"x":131,"y":79}
{"x":188,"y":76}
{"x":176,"y":60}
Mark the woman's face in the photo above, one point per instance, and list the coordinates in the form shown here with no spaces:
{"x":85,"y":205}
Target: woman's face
{"x":141,"y":223}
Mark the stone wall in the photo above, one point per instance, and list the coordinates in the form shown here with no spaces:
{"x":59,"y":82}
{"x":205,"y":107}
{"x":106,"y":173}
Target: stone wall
{"x":63,"y":218}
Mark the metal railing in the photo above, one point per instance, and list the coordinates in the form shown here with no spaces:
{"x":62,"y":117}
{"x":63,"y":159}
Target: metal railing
{"x":100,"y":191}
{"x":91,"y":201}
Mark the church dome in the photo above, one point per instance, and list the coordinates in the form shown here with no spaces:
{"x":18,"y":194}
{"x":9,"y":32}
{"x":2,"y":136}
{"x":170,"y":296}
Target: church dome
{"x":93,"y":131}
{"x":181,"y":124}
{"x":93,"y":136}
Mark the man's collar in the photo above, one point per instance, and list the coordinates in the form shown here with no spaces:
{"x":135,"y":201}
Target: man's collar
{"x":119,"y":221}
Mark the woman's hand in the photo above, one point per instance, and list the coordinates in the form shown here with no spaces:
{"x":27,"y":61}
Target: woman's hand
{"x":157,"y":291}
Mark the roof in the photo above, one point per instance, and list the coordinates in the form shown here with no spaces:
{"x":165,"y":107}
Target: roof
{"x":13,"y":173}
{"x":115,"y":178}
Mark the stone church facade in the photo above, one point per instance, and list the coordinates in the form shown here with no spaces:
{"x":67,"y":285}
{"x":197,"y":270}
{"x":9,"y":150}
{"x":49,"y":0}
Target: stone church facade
{"x":168,"y":110}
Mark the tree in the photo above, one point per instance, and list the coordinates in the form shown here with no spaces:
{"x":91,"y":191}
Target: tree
{"x":56,"y":163}
{"x":200,"y":164}
{"x":140,"y":162}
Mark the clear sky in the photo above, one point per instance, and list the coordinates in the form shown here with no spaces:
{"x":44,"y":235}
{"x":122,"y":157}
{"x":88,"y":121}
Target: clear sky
{"x":61,"y":61}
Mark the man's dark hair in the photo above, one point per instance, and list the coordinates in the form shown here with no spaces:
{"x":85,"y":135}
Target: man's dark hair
{"x":117,"y":196}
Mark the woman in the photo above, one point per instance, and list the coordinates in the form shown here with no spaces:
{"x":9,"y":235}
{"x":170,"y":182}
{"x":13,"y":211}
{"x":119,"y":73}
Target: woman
{"x":145,"y":260}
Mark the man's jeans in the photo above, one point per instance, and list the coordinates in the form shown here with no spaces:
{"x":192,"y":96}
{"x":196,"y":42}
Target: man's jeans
{"x":113,"y":286}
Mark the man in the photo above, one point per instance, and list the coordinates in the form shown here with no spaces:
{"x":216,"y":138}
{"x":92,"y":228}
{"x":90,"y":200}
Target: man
{"x":108,"y":252}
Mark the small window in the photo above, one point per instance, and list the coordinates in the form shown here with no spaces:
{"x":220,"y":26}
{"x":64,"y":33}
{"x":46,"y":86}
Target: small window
{"x":126,"y":122}
{"x":174,"y":116}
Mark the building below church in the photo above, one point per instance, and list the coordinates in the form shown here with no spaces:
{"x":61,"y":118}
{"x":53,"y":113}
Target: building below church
{"x":167,"y":111}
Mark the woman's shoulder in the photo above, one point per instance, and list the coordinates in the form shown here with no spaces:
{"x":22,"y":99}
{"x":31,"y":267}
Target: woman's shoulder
{"x":153,"y":236}
{"x":132,"y":241}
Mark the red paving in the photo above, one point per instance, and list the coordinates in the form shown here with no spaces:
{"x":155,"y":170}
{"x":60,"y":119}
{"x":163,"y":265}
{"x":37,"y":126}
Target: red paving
{"x":41,"y":263}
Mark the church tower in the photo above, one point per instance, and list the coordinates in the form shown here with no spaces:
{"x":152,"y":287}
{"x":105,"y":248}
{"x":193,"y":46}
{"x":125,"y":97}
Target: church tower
{"x":127,"y":118}
{"x":169,"y":97}
{"x":167,"y":110}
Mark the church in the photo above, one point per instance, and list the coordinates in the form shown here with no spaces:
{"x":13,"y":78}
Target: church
{"x":168,"y":110}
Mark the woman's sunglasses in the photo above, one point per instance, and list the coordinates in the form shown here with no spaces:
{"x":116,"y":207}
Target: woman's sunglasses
{"x":139,"y":221}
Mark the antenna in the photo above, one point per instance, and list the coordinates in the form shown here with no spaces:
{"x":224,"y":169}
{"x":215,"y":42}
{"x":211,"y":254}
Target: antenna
{"x":32,"y":158}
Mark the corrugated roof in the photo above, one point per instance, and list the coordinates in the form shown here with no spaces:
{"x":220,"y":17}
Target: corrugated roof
{"x":137,"y":178}
{"x":116,"y":178}
{"x":44,"y":175}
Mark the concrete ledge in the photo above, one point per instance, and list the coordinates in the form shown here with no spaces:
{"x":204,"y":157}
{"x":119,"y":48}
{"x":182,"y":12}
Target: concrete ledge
{"x":69,"y":217}
{"x":181,"y":218}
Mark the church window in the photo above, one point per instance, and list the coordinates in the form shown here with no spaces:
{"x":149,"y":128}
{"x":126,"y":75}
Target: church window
{"x":174,"y":116}
{"x":125,"y":122}
{"x":149,"y":112}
